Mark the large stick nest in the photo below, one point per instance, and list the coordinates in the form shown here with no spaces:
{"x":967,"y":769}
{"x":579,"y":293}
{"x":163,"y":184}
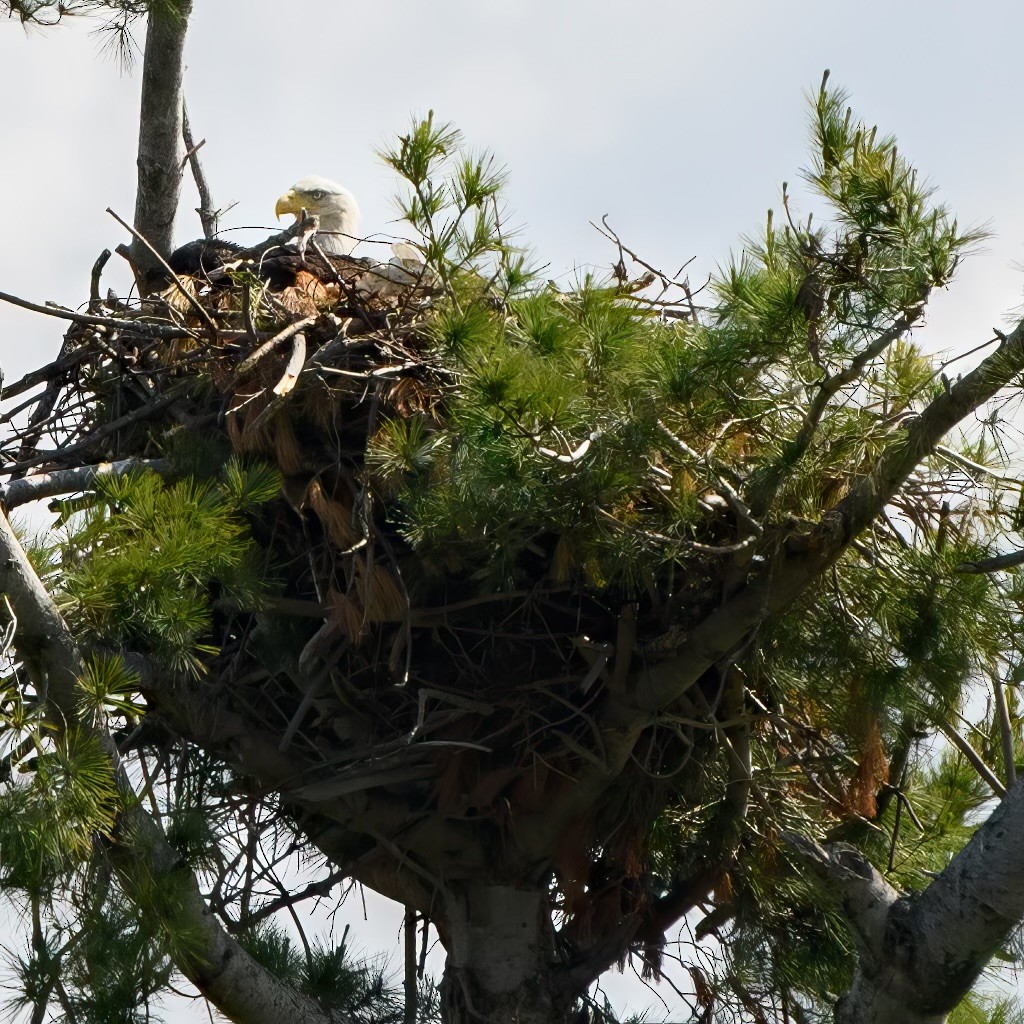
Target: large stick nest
{"x":477,"y":704}
{"x":296,"y":359}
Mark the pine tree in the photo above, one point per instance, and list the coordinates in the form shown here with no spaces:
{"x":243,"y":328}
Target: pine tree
{"x":555,"y":615}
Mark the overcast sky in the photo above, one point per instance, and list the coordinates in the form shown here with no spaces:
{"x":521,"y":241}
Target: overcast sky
{"x":678,"y":119}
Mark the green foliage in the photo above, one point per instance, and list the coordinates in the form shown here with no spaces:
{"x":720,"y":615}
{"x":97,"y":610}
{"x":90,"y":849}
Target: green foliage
{"x":141,"y":566}
{"x":360,"y":989}
{"x":193,"y":831}
{"x":116,"y":968}
{"x":585,"y":427}
{"x":587,"y":433}
{"x":588,"y":439}
{"x":553,"y":433}
{"x":453,"y":203}
{"x":980,"y":1008}
{"x":946,"y":798}
{"x":51,"y":816}
{"x":906,"y":638}
{"x":107,"y":686}
{"x":107,"y":972}
{"x":271,"y":946}
{"x":633,"y":450}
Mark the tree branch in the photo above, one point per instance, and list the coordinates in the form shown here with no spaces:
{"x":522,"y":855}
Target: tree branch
{"x":345,"y":813}
{"x":920,"y":955}
{"x":68,"y":481}
{"x":974,"y":905}
{"x":866,"y":896}
{"x":654,"y":687}
{"x":763,"y":492}
{"x":985,"y":773}
{"x":208,"y":213}
{"x":994,"y":564}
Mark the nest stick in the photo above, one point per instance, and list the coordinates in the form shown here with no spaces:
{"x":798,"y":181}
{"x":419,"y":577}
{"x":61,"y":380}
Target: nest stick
{"x":247,"y":365}
{"x":142,"y":326}
{"x":57,"y":368}
{"x":135,"y":416}
{"x":193,"y":301}
{"x":94,"y":280}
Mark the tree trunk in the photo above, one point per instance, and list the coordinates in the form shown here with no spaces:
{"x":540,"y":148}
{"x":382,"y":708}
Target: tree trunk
{"x":874,"y":1000}
{"x":920,"y":954}
{"x":161,"y":150}
{"x":500,"y":966}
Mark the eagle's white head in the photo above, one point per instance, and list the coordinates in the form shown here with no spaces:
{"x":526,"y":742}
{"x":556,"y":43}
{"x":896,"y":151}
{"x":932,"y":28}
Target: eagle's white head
{"x":333,"y":204}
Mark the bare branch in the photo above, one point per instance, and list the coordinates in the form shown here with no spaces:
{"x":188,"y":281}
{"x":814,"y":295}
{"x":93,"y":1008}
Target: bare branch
{"x":94,"y":280}
{"x":69,"y":481}
{"x":974,"y":758}
{"x":1005,"y":729}
{"x":208,"y":213}
{"x":162,"y":263}
{"x":247,"y":365}
{"x":135,"y":416}
{"x":994,"y":564}
{"x":142,"y":326}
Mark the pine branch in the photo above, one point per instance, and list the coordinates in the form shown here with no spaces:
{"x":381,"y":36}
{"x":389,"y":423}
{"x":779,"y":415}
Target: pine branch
{"x":763,"y":492}
{"x":808,"y":555}
{"x":803,"y":559}
{"x":236,"y":984}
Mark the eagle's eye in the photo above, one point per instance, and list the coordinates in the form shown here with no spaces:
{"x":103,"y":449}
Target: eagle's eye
{"x":317,"y":194}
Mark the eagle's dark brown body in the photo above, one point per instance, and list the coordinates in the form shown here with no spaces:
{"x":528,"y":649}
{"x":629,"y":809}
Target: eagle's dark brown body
{"x":211,"y":259}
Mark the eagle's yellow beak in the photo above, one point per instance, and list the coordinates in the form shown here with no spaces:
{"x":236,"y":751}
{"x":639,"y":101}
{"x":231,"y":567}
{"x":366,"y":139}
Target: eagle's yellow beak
{"x":288,"y":203}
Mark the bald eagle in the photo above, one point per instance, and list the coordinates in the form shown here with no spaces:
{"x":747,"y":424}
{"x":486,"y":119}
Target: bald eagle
{"x":313,"y":272}
{"x":336,"y":237}
{"x":336,"y":207}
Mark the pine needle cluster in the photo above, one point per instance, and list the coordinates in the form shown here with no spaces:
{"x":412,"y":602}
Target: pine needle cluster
{"x":142,"y":565}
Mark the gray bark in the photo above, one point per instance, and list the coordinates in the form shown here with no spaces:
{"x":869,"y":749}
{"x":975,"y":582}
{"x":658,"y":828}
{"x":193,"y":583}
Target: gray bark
{"x":161,"y":149}
{"x":208,"y":213}
{"x":920,"y":954}
{"x":68,"y":481}
{"x":500,"y":965}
